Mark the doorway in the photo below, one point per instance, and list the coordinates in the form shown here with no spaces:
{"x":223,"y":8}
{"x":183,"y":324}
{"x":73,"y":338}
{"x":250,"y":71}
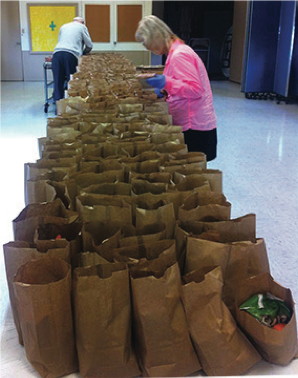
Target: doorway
{"x":11,"y":50}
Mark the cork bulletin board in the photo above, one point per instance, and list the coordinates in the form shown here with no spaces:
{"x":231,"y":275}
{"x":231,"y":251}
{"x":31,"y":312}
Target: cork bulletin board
{"x":127,"y":22}
{"x":45,"y":21}
{"x":98,"y":21}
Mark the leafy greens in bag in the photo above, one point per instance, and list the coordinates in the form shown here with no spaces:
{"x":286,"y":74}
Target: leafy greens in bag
{"x":267,"y":309}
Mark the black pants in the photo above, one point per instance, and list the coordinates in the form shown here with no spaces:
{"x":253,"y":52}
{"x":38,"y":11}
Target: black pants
{"x":202,"y":141}
{"x":64,"y":64}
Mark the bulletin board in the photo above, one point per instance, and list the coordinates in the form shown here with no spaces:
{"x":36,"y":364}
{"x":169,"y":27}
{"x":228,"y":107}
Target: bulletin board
{"x":98,"y":22}
{"x":127,"y":21}
{"x":45,"y":21}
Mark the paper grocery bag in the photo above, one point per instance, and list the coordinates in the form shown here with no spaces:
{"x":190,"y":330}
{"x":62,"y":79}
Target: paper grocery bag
{"x":182,"y":159}
{"x":39,"y":191}
{"x":118,"y":188}
{"x":100,"y":236}
{"x":132,"y":254}
{"x":246,"y":259}
{"x":47,"y":187}
{"x":69,"y":229}
{"x":276,"y":347}
{"x":203,"y":206}
{"x":147,"y":234}
{"x":82,"y":180}
{"x":162,"y":338}
{"x":202,"y":253}
{"x":42,"y":290}
{"x":164,"y":177}
{"x":149,"y":209}
{"x":140,"y":186}
{"x":221,"y":347}
{"x":237,"y":229}
{"x":238,"y":260}
{"x":102,"y":306}
{"x":214,"y":176}
{"x":193,"y":183}
{"x":90,"y":258}
{"x":182,"y":232}
{"x":103,"y":208}
{"x":18,"y":253}
{"x":44,"y":166}
{"x":49,"y":213}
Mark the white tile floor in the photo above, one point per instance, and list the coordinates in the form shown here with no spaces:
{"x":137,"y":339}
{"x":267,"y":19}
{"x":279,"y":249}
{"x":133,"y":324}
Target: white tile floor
{"x":257,"y":153}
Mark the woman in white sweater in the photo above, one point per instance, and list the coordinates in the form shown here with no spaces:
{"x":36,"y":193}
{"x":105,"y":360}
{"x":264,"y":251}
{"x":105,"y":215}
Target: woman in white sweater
{"x":73,"y":41}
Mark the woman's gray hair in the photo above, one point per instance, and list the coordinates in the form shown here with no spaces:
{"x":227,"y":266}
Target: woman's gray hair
{"x":152,"y":30}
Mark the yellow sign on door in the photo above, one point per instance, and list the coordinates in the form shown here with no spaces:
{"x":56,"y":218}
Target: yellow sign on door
{"x":45,"y":22}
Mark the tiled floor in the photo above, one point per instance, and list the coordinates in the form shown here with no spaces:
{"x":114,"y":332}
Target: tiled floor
{"x":257,"y":153}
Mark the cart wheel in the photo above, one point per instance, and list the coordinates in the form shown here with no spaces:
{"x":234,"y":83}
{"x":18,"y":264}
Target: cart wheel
{"x":46,"y":107}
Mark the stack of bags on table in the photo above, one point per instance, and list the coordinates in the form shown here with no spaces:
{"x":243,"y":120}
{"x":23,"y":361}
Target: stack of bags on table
{"x":125,"y":260}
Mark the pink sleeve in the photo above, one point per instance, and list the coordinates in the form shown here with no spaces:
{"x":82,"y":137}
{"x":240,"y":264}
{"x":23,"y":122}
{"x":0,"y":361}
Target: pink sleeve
{"x":185,"y":81}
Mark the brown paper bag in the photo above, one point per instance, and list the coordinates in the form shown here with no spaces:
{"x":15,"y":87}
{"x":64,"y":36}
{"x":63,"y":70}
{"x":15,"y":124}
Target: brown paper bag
{"x":98,"y":235}
{"x":221,"y":347}
{"x":214,"y":176}
{"x":44,"y":166}
{"x":204,"y":206}
{"x":132,"y":254}
{"x":37,"y":214}
{"x":72,"y":233}
{"x":237,"y":229}
{"x":101,"y":238}
{"x":18,"y":253}
{"x":171,"y":148}
{"x":246,"y":260}
{"x":159,"y":138}
{"x":103,"y":321}
{"x":276,"y":347}
{"x":182,"y":231}
{"x":162,"y":339}
{"x":148,"y":234}
{"x":39,"y":191}
{"x":149,"y":209}
{"x":164,"y":177}
{"x":43,"y":188}
{"x":238,"y":260}
{"x":118,"y":188}
{"x":203,"y":253}
{"x":42,"y":290}
{"x":144,"y":186}
{"x":90,"y":258}
{"x":99,"y":207}
{"x":193,"y":182}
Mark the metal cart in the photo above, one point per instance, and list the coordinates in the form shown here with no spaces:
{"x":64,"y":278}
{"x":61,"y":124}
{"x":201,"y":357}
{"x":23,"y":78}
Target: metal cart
{"x":48,"y":84}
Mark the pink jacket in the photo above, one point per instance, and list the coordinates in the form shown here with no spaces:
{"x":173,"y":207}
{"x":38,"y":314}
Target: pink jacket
{"x":188,"y":87}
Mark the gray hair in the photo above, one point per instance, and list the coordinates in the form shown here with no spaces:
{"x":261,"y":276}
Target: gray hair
{"x":153,"y":31}
{"x":79,"y":19}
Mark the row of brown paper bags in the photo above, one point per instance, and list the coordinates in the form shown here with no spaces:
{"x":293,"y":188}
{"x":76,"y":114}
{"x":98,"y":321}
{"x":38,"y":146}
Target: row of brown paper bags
{"x":17,"y":253}
{"x":250,"y":259}
{"x":209,"y":320}
{"x":97,"y":233}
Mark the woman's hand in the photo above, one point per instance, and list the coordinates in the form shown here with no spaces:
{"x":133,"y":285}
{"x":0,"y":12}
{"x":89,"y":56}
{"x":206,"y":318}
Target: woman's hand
{"x":157,"y":81}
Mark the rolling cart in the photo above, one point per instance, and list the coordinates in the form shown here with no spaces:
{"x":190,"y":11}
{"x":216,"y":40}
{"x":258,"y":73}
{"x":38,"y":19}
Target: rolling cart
{"x":48,"y":84}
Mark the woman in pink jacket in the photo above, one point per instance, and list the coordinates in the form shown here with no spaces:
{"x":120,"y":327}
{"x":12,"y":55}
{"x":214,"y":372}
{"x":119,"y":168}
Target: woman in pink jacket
{"x":185,"y":83}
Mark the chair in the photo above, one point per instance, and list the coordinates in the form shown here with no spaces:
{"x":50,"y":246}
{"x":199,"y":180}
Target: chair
{"x":201,"y":46}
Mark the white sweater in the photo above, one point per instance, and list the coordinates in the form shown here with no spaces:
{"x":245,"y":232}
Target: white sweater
{"x":74,"y":38}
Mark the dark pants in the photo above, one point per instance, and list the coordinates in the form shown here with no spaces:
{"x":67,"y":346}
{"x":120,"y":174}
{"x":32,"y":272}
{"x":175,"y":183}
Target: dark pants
{"x":64,"y":64}
{"x":202,"y":141}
